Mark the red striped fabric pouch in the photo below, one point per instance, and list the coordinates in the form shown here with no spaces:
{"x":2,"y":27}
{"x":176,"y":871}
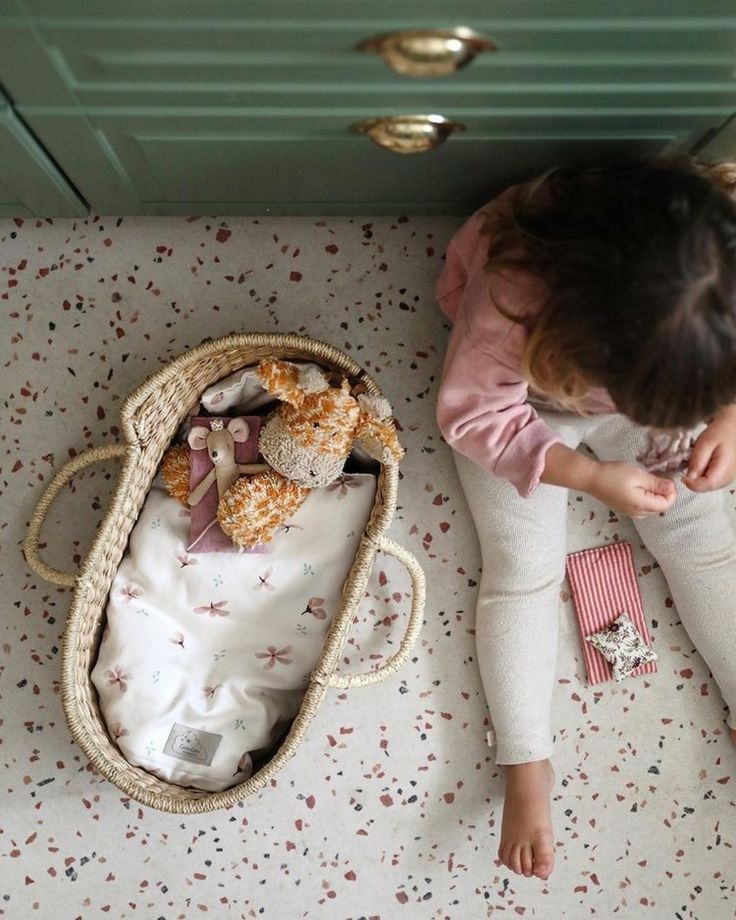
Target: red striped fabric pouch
{"x":603,"y":585}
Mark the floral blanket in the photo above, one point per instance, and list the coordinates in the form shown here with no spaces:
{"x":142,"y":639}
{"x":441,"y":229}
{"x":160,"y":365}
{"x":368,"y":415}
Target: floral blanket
{"x":205,"y":658}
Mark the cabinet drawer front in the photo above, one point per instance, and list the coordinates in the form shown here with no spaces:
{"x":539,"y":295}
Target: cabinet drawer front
{"x":163,"y":53}
{"x":164,"y":163}
{"x":381,"y":12}
{"x":496,"y":90}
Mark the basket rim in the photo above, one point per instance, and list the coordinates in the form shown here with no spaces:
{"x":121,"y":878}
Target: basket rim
{"x":83,"y":716}
{"x":287,"y":341}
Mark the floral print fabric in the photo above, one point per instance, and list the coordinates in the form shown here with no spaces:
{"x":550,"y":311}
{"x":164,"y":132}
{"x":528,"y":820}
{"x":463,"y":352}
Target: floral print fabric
{"x":205,"y":658}
{"x":622,"y":646}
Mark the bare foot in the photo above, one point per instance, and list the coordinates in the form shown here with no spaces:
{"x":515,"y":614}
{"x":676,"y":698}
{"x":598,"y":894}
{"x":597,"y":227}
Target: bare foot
{"x":527,"y":844}
{"x":732,"y":733}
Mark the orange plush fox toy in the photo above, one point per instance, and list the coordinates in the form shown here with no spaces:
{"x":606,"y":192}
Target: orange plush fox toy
{"x":305,"y":441}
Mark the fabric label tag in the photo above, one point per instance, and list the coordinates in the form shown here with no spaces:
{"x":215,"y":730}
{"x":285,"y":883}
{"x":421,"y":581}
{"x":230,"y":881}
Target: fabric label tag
{"x":191,"y":744}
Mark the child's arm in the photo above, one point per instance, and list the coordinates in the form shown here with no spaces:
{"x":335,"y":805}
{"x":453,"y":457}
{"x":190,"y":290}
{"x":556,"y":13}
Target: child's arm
{"x":566,"y":467}
{"x":621,"y":486}
{"x":483,"y":413}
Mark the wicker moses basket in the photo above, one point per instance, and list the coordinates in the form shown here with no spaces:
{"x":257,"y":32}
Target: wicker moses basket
{"x":151,"y":417}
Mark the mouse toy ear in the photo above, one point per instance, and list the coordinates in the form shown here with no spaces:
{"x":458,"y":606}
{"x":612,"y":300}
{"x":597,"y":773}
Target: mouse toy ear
{"x":239,"y":429}
{"x":197,"y":437}
{"x":291,"y":382}
{"x":376,"y":431}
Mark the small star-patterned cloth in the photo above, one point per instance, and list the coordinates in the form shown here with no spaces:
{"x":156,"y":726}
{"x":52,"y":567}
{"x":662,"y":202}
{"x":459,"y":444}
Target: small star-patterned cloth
{"x":622,"y":646}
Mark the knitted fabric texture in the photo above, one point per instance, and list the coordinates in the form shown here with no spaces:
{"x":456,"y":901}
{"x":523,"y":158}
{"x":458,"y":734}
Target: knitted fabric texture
{"x":252,"y":510}
{"x":299,"y":454}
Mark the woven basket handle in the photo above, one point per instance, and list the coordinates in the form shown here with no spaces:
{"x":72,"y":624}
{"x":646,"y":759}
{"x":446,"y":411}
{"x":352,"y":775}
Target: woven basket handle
{"x":67,"y":471}
{"x":412,"y":630}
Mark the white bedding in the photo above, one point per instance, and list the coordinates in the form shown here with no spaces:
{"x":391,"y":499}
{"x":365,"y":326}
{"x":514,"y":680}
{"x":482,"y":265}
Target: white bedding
{"x":205,"y":659}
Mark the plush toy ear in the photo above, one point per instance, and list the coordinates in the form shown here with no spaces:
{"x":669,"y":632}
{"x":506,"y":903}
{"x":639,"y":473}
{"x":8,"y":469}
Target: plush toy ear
{"x":311,"y":379}
{"x":239,"y":429}
{"x":197,"y":438}
{"x":291,"y":382}
{"x":375,"y":429}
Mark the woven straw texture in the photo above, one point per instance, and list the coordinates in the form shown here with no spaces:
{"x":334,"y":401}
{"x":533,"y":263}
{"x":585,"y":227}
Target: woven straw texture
{"x":150,"y":418}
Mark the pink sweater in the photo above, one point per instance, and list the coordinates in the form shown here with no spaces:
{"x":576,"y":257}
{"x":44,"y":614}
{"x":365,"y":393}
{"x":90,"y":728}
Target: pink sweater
{"x":482,"y":407}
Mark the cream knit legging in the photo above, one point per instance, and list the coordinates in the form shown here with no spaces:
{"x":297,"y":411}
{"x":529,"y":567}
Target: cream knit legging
{"x":523,"y":548}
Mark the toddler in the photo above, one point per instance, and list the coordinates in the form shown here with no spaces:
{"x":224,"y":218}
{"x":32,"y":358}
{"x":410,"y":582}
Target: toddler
{"x":590,"y":305}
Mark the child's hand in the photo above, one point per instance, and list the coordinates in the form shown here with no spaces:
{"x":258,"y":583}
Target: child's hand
{"x":713,"y":460}
{"x":631,"y":491}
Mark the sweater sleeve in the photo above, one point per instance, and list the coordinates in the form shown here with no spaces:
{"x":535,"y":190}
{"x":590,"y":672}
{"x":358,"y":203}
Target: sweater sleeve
{"x":482,"y":413}
{"x":454,"y":275}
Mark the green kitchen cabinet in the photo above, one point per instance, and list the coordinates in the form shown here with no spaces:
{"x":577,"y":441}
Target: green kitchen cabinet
{"x":249,"y":106}
{"x":30,"y":183}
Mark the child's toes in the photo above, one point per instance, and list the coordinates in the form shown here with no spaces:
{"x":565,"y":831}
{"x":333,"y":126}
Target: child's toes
{"x":515,"y":858}
{"x":527,"y":860}
{"x":544,"y":859}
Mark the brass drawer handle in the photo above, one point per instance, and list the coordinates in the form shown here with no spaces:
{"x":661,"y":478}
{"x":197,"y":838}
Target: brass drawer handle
{"x":428,"y":52}
{"x":408,"y":133}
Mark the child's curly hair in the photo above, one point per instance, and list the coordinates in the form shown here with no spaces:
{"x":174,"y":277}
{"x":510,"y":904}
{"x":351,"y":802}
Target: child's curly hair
{"x":639,"y":261}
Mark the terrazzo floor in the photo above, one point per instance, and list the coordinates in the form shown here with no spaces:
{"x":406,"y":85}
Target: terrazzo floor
{"x":392,"y":806}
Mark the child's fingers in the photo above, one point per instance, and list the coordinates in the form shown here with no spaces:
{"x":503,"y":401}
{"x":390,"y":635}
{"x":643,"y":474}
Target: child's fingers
{"x":701,"y":469}
{"x":660,"y":486}
{"x":717,"y":474}
{"x":700,"y":458}
{"x":657,"y":495}
{"x":652,"y":503}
